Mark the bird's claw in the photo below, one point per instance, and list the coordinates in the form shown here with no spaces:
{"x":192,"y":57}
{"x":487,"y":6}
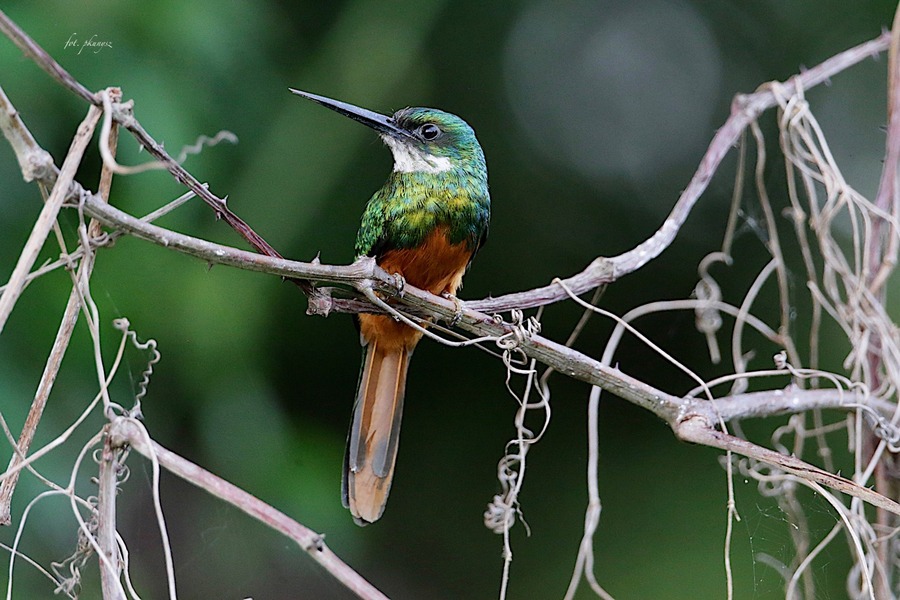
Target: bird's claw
{"x":458,"y":315}
{"x":399,"y":283}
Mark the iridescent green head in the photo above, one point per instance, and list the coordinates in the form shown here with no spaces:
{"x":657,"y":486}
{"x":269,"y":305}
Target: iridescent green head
{"x":422,"y":140}
{"x":433,"y":141}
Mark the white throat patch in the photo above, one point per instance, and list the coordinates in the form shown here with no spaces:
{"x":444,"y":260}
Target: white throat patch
{"x":408,"y":159}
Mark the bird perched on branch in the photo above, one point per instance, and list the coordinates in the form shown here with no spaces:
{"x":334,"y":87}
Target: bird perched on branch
{"x":425,"y":225}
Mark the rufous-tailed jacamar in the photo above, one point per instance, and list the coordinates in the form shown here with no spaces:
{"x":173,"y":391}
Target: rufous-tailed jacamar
{"x":425,"y":224}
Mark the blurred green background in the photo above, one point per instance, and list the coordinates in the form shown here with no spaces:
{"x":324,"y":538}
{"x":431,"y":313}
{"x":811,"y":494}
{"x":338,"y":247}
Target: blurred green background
{"x":593,"y":115}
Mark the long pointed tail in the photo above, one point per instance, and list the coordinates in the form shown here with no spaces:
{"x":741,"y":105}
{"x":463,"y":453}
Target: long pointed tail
{"x":372,"y":443}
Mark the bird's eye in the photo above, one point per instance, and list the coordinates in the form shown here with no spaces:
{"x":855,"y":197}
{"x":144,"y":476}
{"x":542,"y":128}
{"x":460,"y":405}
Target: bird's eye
{"x":429,"y":131}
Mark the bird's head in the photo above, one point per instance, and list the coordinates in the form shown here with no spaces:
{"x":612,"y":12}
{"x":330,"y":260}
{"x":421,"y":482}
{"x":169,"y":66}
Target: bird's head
{"x":422,"y":140}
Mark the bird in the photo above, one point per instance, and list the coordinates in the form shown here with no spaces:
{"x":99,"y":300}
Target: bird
{"x":424,"y":226}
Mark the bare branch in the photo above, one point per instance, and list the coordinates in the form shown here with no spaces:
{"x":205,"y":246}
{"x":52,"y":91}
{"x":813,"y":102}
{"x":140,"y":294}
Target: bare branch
{"x":60,"y":343}
{"x":106,"y":521}
{"x":34,"y":161}
{"x":47,"y":217}
{"x":569,"y":362}
{"x":882,"y":261}
{"x":602,"y":270}
{"x":126,"y":431}
{"x":745,"y":110}
{"x":33,"y":51}
{"x":700,"y":431}
{"x":691,"y":419}
{"x":123,"y":115}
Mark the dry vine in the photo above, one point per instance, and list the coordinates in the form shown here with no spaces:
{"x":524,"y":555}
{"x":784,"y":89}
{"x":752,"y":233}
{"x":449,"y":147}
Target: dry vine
{"x":845,"y":283}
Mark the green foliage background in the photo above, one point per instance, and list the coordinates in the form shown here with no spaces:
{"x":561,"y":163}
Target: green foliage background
{"x":256,"y":391}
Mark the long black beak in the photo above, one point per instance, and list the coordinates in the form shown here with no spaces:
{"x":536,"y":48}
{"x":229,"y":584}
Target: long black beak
{"x":376,"y":121}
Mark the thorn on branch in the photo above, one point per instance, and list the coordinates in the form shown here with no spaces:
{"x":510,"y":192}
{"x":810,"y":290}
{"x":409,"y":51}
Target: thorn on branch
{"x":317,"y":543}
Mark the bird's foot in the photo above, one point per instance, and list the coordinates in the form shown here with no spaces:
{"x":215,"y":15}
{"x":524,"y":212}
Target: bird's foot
{"x":458,"y":315}
{"x":399,"y":283}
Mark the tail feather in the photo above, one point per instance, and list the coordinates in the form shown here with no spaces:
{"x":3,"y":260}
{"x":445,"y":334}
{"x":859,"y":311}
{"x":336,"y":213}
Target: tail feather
{"x":375,"y":431}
